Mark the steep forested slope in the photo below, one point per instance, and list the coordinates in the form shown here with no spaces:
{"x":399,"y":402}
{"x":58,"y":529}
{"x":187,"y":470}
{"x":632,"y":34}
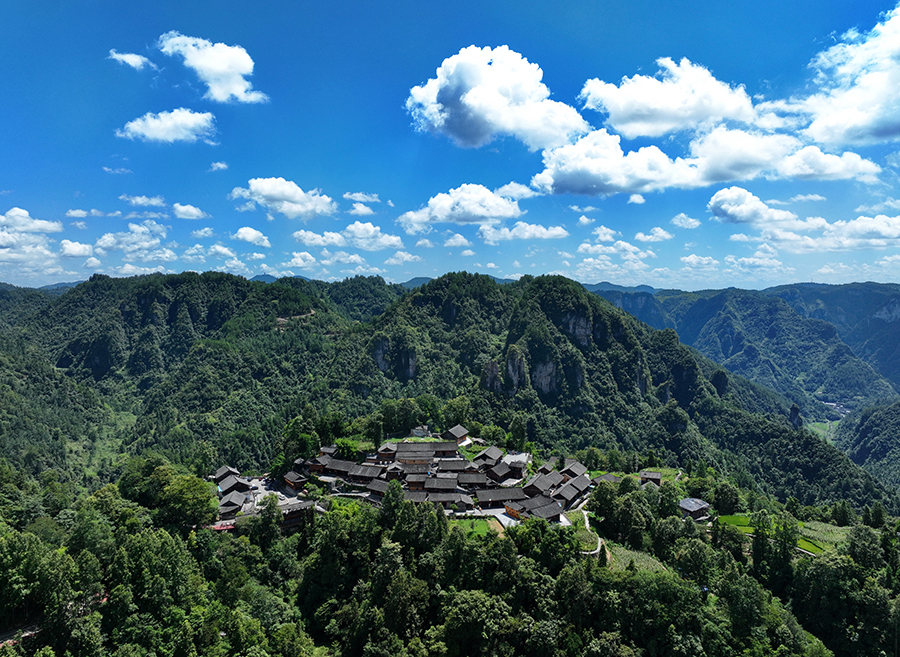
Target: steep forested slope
{"x":872,"y":439}
{"x":866,"y":317}
{"x":766,"y":340}
{"x":213,"y":366}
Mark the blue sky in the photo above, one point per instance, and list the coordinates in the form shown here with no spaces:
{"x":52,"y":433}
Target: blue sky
{"x":684,"y":145}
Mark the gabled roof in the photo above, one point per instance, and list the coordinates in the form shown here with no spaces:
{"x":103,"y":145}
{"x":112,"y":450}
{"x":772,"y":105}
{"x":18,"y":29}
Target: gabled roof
{"x":416,"y":468}
{"x":452,"y":465}
{"x":574,"y":469}
{"x":365,"y":471}
{"x":451,"y":498}
{"x":231,"y":482}
{"x":379,"y":486}
{"x":500,"y":472}
{"x":387,"y":448}
{"x":294,"y":478}
{"x":472,"y":479}
{"x":501,"y":494}
{"x":573,"y":489}
{"x":417,"y":496}
{"x":492,"y":452}
{"x":650,"y":474}
{"x":339,"y":465}
{"x":457,"y":432}
{"x":433,"y":483}
{"x":231,"y":501}
{"x":224,"y":471}
{"x":611,"y":478}
{"x":545,"y":482}
{"x":693,"y":504}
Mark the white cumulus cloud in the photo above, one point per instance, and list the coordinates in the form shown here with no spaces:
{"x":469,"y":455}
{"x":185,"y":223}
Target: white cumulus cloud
{"x":684,"y":95}
{"x":402,"y":257}
{"x":482,"y":93}
{"x":456,"y":240}
{"x":521,"y":231}
{"x":656,"y":234}
{"x":75,"y":249}
{"x":168,"y":127}
{"x":17,"y":220}
{"x":144,"y":201}
{"x":286,"y":197}
{"x":188,"y":211}
{"x":137,"y":62}
{"x":695,"y":261}
{"x":251,"y":235}
{"x":361,"y":210}
{"x":684,"y":221}
{"x":466,"y":204}
{"x":365,"y":236}
{"x":222,"y":68}
{"x":362,"y":197}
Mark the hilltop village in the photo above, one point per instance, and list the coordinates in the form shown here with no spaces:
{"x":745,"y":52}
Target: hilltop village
{"x":432,"y":469}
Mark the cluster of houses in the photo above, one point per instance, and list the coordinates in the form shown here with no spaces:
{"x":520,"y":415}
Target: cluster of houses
{"x":437,"y":473}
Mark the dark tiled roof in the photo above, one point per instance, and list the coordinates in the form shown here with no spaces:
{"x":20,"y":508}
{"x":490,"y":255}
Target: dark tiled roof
{"x":611,"y":478}
{"x":472,"y":479}
{"x":693,"y":504}
{"x":452,"y":465}
{"x":378,"y":486}
{"x":232,"y":500}
{"x":499,"y":472}
{"x":574,"y":469}
{"x":225,"y":471}
{"x":492,"y":452}
{"x":433,"y":483}
{"x":294,"y":478}
{"x":417,"y":496}
{"x":501,"y":495}
{"x":457,"y":432}
{"x":366,"y":471}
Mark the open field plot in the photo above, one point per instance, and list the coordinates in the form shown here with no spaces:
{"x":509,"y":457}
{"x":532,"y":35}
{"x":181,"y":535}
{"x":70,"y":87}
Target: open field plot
{"x":477,"y":526}
{"x":822,"y":534}
{"x":622,"y":556}
{"x":587,"y":539}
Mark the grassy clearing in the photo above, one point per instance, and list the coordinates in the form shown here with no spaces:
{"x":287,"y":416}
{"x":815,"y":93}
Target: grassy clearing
{"x":809,"y":546}
{"x":815,"y":537}
{"x":477,"y":526}
{"x":621,"y":556}
{"x":586,"y":537}
{"x":825,"y":430}
{"x":823,"y":535}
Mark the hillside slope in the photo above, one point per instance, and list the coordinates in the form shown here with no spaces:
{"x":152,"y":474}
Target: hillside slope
{"x":213,"y":367}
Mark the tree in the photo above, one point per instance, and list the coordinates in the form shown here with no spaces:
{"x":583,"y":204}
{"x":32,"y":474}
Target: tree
{"x":519,"y":432}
{"x":726,"y":500}
{"x":188,"y":501}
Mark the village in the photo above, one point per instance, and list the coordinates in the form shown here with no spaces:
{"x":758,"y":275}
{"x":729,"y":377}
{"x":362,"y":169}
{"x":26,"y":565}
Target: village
{"x":431,"y":469}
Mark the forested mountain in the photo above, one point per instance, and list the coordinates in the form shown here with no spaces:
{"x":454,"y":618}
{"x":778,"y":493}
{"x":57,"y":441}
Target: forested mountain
{"x":871,"y":438}
{"x":764,"y":338}
{"x":117,"y":395}
{"x":865,"y":315}
{"x":208,"y":369}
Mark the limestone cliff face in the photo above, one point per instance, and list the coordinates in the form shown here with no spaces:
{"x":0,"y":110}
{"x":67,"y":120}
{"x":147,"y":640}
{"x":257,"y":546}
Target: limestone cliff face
{"x":381,"y":352}
{"x":399,"y":358}
{"x":578,"y":327}
{"x":544,"y":378}
{"x":516,"y":370}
